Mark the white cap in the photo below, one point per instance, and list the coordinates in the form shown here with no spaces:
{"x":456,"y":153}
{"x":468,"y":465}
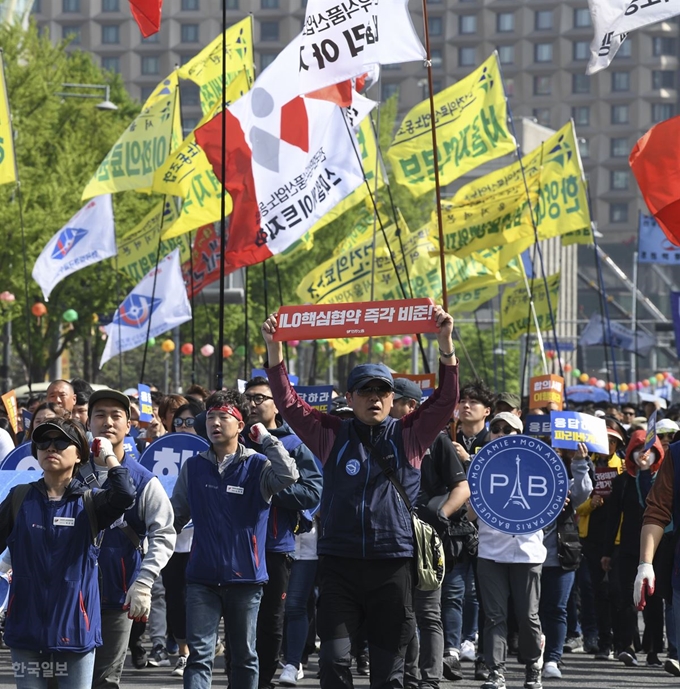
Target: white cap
{"x":667,"y":426}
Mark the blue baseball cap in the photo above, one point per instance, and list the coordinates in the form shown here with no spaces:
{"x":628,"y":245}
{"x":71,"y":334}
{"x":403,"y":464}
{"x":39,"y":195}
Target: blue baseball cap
{"x":365,"y":373}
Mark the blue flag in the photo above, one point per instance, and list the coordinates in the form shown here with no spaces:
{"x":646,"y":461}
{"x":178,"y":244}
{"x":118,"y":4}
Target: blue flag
{"x":653,"y":244}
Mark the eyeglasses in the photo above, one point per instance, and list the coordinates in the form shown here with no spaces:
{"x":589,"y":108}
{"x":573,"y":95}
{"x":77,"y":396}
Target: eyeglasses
{"x":381,"y":392}
{"x":628,"y":413}
{"x":257,"y":399}
{"x":665,"y":436}
{"x":59,"y":444}
{"x":507,"y":430}
{"x":189,"y":423}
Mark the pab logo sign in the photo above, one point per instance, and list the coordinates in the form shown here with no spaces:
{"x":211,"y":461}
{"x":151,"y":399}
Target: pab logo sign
{"x":518,"y":484}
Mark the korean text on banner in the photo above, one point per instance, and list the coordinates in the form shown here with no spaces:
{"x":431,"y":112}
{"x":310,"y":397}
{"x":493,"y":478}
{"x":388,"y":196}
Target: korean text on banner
{"x":316,"y":396}
{"x":515,"y":314}
{"x":639,"y":13}
{"x":569,"y":428}
{"x":426,"y":381}
{"x":9,"y":399}
{"x":8,"y":168}
{"x":494,"y":211}
{"x":145,"y":404}
{"x":545,"y":390}
{"x":206,"y":261}
{"x":650,"y":438}
{"x":605,"y":43}
{"x":470,"y":118}
{"x":653,"y":244}
{"x":143,"y":146}
{"x":361,"y":319}
{"x":205,"y":69}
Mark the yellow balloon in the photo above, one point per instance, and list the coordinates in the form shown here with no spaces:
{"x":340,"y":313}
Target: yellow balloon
{"x":583,"y":378}
{"x":168,"y":346}
{"x":659,"y":377}
{"x":389,"y":347}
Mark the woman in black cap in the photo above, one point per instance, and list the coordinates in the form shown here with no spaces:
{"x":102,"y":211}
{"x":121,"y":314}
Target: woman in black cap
{"x":51,"y":527}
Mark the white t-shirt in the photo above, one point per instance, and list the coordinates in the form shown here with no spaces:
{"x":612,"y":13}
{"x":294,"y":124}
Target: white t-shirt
{"x":501,"y":547}
{"x":305,"y":545}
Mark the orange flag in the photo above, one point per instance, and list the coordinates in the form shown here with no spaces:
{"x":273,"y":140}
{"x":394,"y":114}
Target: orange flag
{"x":147,"y":14}
{"x":655,"y":162}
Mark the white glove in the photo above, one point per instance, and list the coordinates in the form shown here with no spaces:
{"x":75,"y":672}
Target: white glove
{"x":258,"y":433}
{"x":645,"y":579}
{"x":101,"y":449}
{"x":138,"y":601}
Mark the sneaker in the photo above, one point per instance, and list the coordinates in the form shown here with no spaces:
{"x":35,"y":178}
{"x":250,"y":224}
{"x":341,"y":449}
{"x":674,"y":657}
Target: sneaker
{"x":139,"y":657}
{"x":495,"y":681}
{"x":467,"y":651}
{"x":159,"y":657}
{"x":533,"y":677}
{"x":653,"y":660}
{"x":363,"y":665}
{"x":179,"y":667}
{"x":574,"y":644}
{"x":672,"y":667}
{"x":171,"y":646}
{"x":481,"y":670}
{"x":590,"y":644}
{"x":291,"y":675}
{"x":604,"y":654}
{"x":551,"y":670}
{"x":628,"y":658}
{"x":452,"y":669}
{"x":219,"y":648}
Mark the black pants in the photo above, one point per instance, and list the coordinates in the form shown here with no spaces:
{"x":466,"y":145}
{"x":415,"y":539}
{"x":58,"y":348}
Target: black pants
{"x":175,"y":582}
{"x":377,"y":592}
{"x":271,"y":615}
{"x":601,"y":589}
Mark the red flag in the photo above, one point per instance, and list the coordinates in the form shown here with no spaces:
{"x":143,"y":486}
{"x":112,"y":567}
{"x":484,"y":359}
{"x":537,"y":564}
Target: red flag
{"x":655,"y":162}
{"x":147,"y":14}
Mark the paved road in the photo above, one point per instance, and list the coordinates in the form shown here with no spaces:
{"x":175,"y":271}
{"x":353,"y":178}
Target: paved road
{"x":581,"y":672}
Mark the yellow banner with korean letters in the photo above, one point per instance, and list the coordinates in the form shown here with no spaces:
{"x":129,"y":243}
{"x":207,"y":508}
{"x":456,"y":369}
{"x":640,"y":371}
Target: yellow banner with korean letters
{"x":205,"y":69}
{"x":144,"y":145}
{"x":494,"y":211}
{"x":8,"y":170}
{"x":467,"y":301}
{"x":471,"y":126}
{"x":516,"y":317}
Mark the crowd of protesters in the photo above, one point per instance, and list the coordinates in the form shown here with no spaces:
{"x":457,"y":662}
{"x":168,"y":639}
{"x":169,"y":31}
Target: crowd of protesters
{"x":289,"y":528}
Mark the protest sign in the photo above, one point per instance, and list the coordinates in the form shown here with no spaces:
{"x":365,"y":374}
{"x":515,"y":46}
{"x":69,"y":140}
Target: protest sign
{"x":20,"y":458}
{"x":569,"y":428}
{"x":316,"y":396}
{"x":9,"y":399}
{"x":604,"y":476}
{"x":130,"y":447}
{"x":653,"y":244}
{"x":537,"y":425}
{"x":650,"y":438}
{"x":361,"y":319}
{"x":26,"y":417}
{"x":165,"y":455}
{"x":426,"y":381}
{"x":545,"y":390}
{"x":518,"y":484}
{"x":145,"y":404}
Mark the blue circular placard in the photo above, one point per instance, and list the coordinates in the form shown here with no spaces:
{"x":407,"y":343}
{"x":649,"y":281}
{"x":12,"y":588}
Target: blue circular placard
{"x":166,"y":454}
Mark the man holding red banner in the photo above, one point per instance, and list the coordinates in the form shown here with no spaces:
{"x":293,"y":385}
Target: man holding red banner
{"x":366,"y":542}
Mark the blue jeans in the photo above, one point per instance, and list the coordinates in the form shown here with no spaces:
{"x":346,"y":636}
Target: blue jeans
{"x":671,"y":634}
{"x":302,"y":577}
{"x":239,"y":604}
{"x":453,"y":598}
{"x":556,"y":585}
{"x":33,"y":670}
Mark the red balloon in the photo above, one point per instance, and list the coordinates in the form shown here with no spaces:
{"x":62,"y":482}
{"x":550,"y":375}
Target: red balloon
{"x":227,"y":351}
{"x":364,"y":348}
{"x":592,"y":380}
{"x":38,"y":309}
{"x":187,"y":349}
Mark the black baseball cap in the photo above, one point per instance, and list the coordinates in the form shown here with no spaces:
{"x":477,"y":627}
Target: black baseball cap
{"x":365,"y":373}
{"x":65,"y":430}
{"x":403,"y":387}
{"x":109,"y":394}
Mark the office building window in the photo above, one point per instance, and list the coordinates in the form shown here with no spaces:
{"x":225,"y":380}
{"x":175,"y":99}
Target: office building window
{"x":466,"y":57}
{"x":434,"y":2}
{"x":542,"y":116}
{"x":581,"y":50}
{"x":580,"y":83}
{"x":509,"y":87}
{"x":662,"y":45}
{"x":69,"y":31}
{"x":266,"y":59}
{"x":189,"y":124}
{"x":190,"y":5}
{"x":111,"y":64}
{"x":437,"y":57}
{"x":145,"y":92}
{"x":662,"y":111}
{"x":110,"y":5}
{"x":389,"y":90}
{"x":233,"y":4}
{"x":506,"y":54}
{"x":543,"y":20}
{"x":619,"y":147}
{"x":581,"y":115}
{"x":618,"y":180}
{"x":619,"y":114}
{"x":37,"y":7}
{"x":663,"y":79}
{"x":191,"y":94}
{"x":70,"y":6}
{"x":435,"y":26}
{"x":183,"y":59}
{"x":111,"y":34}
{"x":505,"y":21}
{"x":618,"y":212}
{"x":584,"y":147}
{"x":620,"y":81}
{"x":269,"y":31}
{"x":541,"y":86}
{"x":151,"y":64}
{"x":625,"y":49}
{"x":582,"y":18}
{"x":269,"y":4}
{"x":189,"y":33}
{"x":467,"y":24}
{"x":543,"y":52}
{"x":154,"y":38}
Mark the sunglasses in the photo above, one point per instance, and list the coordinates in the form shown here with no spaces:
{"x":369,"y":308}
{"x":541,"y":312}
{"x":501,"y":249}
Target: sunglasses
{"x":189,"y":423}
{"x":628,"y":413}
{"x":381,"y":392}
{"x":665,"y":436}
{"x":507,"y":430}
{"x":258,"y":399}
{"x":59,"y":444}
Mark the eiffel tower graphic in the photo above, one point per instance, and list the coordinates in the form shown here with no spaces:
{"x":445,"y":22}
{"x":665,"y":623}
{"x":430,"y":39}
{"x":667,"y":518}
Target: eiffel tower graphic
{"x":517,"y":497}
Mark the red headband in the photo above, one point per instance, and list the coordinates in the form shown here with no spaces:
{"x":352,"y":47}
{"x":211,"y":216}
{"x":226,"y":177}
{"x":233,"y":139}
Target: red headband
{"x":227,"y":409}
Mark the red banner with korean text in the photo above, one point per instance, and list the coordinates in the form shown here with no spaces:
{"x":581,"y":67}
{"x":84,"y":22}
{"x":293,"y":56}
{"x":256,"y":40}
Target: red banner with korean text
{"x":426,"y":381}
{"x":206,"y":261}
{"x":358,"y":319}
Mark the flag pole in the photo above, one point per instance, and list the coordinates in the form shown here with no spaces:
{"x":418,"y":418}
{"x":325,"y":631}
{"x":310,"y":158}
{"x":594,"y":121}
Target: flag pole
{"x":435,"y":156}
{"x":493,"y":348}
{"x":193,"y":302}
{"x":120,"y":329}
{"x":246,"y":335}
{"x":280,"y":291}
{"x":153,"y":296}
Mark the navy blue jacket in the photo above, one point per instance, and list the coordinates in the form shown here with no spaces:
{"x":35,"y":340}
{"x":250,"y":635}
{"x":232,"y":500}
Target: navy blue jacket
{"x":675,"y":457}
{"x":54,"y":594}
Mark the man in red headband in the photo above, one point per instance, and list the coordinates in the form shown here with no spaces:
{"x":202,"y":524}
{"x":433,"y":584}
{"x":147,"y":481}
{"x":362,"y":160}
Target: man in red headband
{"x":226,"y":491}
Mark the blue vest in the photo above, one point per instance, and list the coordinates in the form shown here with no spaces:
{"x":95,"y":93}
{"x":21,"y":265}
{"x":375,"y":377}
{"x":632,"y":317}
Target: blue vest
{"x":119,"y":560}
{"x":230,"y":521}
{"x":54,"y":595}
{"x":675,"y":456}
{"x":362,"y":515}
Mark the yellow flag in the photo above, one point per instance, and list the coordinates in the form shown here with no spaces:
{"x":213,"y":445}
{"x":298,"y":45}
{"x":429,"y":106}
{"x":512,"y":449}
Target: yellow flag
{"x":206,"y":68}
{"x":493,"y":211}
{"x":347,"y":345}
{"x":137,"y":250}
{"x":469,"y":300}
{"x":516,"y":317}
{"x":144,"y":145}
{"x":582,"y":236}
{"x":471,"y":129}
{"x":8,"y":167}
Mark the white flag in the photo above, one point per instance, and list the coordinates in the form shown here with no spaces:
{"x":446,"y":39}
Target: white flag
{"x":341,"y":41}
{"x":639,"y":13}
{"x":169,"y":308}
{"x":605,"y":43}
{"x":87,"y":238}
